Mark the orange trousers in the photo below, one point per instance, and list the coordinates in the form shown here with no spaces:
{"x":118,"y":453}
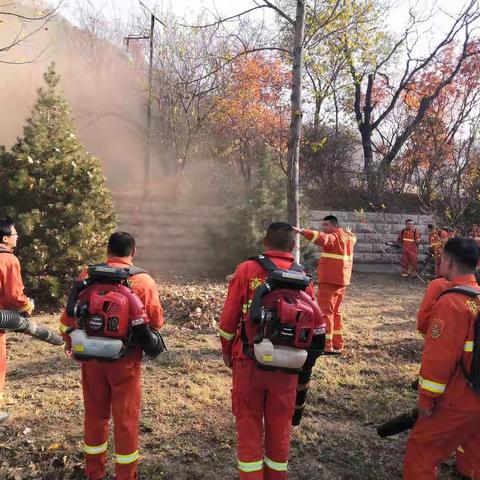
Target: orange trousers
{"x":409,"y":262}
{"x":111,"y":387}
{"x":263,"y":403}
{"x":464,"y":465}
{"x":3,"y":362}
{"x":435,"y":438}
{"x":330,"y":299}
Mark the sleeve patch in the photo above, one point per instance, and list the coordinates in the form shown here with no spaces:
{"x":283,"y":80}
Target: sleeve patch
{"x":255,"y":283}
{"x":438,"y":326}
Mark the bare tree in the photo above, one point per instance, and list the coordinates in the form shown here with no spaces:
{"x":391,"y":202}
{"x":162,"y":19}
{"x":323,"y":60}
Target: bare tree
{"x":372,"y":115}
{"x":300,"y":35}
{"x":25,"y":24}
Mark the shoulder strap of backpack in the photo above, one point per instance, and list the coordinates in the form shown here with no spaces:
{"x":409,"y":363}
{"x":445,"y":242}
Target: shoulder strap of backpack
{"x":265,"y":262}
{"x":270,"y":267}
{"x":135,"y":270}
{"x":468,"y":291}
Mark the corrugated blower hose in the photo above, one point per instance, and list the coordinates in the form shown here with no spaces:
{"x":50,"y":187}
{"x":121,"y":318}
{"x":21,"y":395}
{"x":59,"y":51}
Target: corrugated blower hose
{"x":12,"y":321}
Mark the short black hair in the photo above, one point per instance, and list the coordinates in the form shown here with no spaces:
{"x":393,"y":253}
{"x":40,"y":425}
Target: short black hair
{"x":280,"y":236}
{"x":464,"y":252}
{"x":430,"y":226}
{"x":121,"y":244}
{"x":6,"y":225}
{"x":408,"y":220}
{"x":332,"y":219}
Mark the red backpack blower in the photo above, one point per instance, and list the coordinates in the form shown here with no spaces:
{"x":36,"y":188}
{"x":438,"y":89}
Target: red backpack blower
{"x":290,"y":331}
{"x":110,"y":317}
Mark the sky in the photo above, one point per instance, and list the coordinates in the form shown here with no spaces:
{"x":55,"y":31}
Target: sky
{"x":189,"y":9}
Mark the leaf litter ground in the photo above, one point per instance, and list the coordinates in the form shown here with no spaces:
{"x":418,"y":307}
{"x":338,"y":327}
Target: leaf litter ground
{"x":187,"y":430}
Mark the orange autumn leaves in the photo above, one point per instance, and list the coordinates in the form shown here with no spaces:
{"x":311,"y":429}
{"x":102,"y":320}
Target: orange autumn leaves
{"x":253,"y":107}
{"x":433,"y":143}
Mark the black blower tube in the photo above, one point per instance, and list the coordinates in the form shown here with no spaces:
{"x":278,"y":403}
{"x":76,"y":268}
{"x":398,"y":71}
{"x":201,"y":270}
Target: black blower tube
{"x":73,"y":296}
{"x":316,"y":349}
{"x":149,"y":339}
{"x":14,"y":322}
{"x":398,"y":424}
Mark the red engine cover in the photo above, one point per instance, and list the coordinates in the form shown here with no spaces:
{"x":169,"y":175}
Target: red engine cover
{"x":112,"y":308}
{"x":296,"y":309}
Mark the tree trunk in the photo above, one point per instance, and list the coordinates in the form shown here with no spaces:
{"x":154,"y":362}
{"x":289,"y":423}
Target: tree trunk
{"x":293,"y":189}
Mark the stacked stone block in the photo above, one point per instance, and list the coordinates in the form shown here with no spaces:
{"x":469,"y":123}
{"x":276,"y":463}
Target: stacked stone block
{"x":373,"y":230}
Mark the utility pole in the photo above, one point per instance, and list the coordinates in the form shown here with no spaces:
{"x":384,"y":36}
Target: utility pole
{"x":148,"y":146}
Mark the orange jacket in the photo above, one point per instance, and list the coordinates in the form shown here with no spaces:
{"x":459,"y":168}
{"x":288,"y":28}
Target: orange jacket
{"x":433,"y":291}
{"x":11,"y":284}
{"x":142,"y":284}
{"x":449,"y":340}
{"x":409,"y":239}
{"x":247,"y":277}
{"x":336,"y":257}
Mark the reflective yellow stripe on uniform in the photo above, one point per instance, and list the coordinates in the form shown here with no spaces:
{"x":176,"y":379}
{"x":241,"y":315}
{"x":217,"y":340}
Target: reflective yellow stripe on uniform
{"x":226,"y":335}
{"x":246,"y":306}
{"x":460,"y":449}
{"x":432,"y":386}
{"x":468,"y":347}
{"x":277,"y":466}
{"x":126,"y":459}
{"x":315,"y":235}
{"x":408,"y":240}
{"x":95,"y":449}
{"x":250,"y":466}
{"x":63,"y":328}
{"x":329,"y":336}
{"x":345,"y":258}
{"x":337,"y":332}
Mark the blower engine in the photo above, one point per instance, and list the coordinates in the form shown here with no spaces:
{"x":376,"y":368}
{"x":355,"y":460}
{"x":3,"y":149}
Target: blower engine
{"x":287,"y":320}
{"x":12,"y":321}
{"x":110,"y":317}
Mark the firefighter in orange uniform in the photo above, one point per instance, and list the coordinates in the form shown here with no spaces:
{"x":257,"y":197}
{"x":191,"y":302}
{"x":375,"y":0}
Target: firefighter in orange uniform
{"x":443,"y":238}
{"x":334,"y":274}
{"x":424,"y":315}
{"x":11,"y":291}
{"x":409,"y":239}
{"x":449,"y":410}
{"x":115,"y":386}
{"x":263,"y":401}
{"x":435,"y":246}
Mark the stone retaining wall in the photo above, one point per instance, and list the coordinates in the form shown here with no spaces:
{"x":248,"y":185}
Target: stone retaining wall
{"x":177,"y":240}
{"x":373,"y":230}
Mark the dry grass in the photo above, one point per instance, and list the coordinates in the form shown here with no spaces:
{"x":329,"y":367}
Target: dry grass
{"x":187,"y":428}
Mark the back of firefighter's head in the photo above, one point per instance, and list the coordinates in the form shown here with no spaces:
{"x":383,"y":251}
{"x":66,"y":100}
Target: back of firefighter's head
{"x":409,"y":224}
{"x":460,"y":257}
{"x":8,"y":234}
{"x":121,"y":244}
{"x":430,"y":227}
{"x":280,"y":236}
{"x":329,"y":223}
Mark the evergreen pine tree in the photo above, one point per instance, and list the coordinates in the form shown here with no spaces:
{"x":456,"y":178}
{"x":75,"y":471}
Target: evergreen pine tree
{"x":57,"y":194}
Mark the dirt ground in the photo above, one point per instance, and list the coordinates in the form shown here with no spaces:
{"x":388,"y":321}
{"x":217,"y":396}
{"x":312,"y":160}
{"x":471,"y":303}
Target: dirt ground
{"x":187,"y":430}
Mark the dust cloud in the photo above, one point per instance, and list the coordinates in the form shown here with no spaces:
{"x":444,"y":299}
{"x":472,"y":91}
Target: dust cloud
{"x":103,"y":86}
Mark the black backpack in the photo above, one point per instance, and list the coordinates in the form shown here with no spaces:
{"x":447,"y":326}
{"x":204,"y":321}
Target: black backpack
{"x":472,"y":377}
